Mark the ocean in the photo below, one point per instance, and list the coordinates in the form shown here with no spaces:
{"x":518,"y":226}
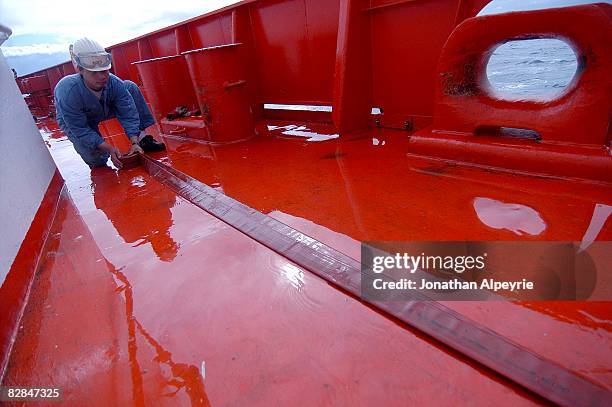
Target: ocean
{"x":532,"y":69}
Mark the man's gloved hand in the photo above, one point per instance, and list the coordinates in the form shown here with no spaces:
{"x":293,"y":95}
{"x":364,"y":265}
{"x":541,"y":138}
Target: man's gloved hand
{"x":114,"y":152}
{"x":135,"y":146}
{"x":135,"y":149}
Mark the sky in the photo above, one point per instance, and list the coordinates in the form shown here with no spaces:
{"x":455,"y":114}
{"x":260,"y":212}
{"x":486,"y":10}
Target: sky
{"x":43,"y":29}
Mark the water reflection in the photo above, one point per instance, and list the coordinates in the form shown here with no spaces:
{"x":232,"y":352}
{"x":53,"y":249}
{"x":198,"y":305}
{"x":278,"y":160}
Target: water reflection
{"x":293,"y":274}
{"x":50,"y":129}
{"x":303,"y":131}
{"x":184,"y":376}
{"x":139,"y":219}
{"x":594,"y":315}
{"x":368,"y":190}
{"x":518,"y":219}
{"x":601,"y":213}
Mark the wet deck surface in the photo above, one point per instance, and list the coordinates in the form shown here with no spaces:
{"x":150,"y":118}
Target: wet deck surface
{"x":143,"y":298}
{"x":367,"y":187}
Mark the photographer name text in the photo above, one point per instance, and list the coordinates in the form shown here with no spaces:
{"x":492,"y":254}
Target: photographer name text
{"x":455,"y":284}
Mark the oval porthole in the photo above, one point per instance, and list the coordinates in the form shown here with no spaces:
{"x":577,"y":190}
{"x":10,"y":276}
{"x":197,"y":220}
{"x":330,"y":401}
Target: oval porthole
{"x":537,"y":69}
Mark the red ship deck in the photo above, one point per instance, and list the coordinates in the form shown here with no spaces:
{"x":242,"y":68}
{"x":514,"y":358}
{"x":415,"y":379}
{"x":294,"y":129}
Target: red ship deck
{"x":144,"y":298}
{"x":227,"y":270}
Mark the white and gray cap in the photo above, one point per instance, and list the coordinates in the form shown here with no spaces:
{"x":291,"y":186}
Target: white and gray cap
{"x":90,"y":55}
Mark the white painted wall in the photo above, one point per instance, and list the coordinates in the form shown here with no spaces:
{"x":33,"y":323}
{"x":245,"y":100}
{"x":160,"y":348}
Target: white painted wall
{"x":26,"y":167}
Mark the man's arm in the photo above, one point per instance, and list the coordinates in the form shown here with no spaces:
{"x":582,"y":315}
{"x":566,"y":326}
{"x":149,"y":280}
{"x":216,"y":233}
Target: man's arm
{"x":73,"y":115}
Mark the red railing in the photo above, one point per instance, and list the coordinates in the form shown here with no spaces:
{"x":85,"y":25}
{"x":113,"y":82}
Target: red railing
{"x":401,"y":56}
{"x":350,"y":54}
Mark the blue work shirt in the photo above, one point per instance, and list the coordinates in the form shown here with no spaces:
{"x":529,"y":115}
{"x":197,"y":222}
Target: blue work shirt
{"x":79,"y":111}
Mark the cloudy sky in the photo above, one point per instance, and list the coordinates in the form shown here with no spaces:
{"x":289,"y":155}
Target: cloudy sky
{"x":42,"y":29}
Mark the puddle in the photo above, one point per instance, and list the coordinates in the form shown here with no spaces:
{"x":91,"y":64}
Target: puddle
{"x":303,"y":131}
{"x":518,"y":219}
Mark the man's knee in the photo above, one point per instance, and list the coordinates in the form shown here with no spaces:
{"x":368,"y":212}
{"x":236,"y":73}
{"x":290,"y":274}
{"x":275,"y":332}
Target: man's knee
{"x":93,"y":158}
{"x":146,"y":118}
{"x":137,"y":95}
{"x":97,"y":164}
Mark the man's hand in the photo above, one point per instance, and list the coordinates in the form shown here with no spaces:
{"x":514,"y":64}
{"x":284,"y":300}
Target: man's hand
{"x":135,"y":149}
{"x":114,"y":152}
{"x":135,"y":146}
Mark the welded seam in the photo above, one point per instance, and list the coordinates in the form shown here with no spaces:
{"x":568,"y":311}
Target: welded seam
{"x":516,"y":363}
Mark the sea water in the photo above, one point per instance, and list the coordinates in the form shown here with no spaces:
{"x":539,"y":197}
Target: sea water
{"x":532,"y":69}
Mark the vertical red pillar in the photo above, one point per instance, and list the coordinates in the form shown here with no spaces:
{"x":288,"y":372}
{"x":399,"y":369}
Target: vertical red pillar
{"x":183,"y":39}
{"x":242,"y":33}
{"x":234,"y":38}
{"x":144,"y":49}
{"x":352,"y":98}
{"x":120,"y":67}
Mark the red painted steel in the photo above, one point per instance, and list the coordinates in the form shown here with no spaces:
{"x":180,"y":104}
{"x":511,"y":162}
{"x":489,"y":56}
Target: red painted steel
{"x":526,"y":156}
{"x":242,"y":33}
{"x":189,"y":127}
{"x":156,"y":301}
{"x":144,"y":49}
{"x":407,"y":38}
{"x":296,"y":47}
{"x":33,"y":84}
{"x":163,"y":44}
{"x":183,"y":40}
{"x":353,"y":55}
{"x":125,"y":56}
{"x":356,"y":54}
{"x":352,"y":99}
{"x":67,"y":68}
{"x":210,"y":32}
{"x":343,"y":190}
{"x":41,"y":99}
{"x":306,"y":52}
{"x":516,"y":363}
{"x":219,"y":78}
{"x":15,"y":289}
{"x":167,"y":83}
{"x":54,"y":74}
{"x":573,"y":127}
{"x":469,"y":8}
{"x":464,"y":99}
{"x":306,"y":116}
{"x":120,"y":65}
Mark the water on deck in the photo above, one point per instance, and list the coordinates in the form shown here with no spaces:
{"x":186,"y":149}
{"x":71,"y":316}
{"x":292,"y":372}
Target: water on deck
{"x":144,"y":298}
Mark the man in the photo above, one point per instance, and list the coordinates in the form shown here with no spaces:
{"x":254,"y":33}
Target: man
{"x":85,"y":99}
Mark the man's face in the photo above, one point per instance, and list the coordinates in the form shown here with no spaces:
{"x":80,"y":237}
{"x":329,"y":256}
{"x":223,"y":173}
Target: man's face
{"x":95,"y":80}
